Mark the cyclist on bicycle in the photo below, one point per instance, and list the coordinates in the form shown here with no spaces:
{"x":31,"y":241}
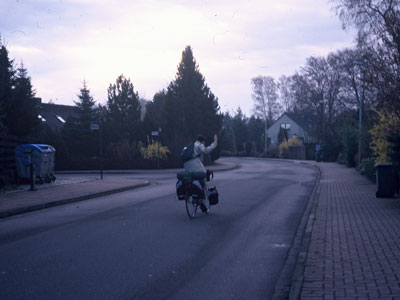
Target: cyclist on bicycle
{"x":196,"y":163}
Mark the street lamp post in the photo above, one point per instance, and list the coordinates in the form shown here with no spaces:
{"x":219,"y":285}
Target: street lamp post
{"x":360,"y":101}
{"x":265,"y":137}
{"x":158,"y":148}
{"x":101,"y":153}
{"x":96,"y":127}
{"x":157,"y":134}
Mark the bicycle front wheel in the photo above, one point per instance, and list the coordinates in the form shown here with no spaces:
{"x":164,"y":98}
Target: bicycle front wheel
{"x":191,"y":206}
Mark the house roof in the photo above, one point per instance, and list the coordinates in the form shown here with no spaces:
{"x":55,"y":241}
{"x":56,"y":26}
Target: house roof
{"x":55,"y":115}
{"x":304,"y":121}
{"x":300,"y":120}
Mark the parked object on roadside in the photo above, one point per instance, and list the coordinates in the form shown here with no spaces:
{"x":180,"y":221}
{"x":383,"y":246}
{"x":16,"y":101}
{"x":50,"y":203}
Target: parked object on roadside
{"x":41,"y":157}
{"x":384,"y":180}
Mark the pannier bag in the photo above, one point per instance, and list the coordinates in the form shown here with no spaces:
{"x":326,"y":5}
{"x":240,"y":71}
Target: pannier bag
{"x":180,"y":190}
{"x":209,"y":174}
{"x":213,"y":195}
{"x":189,"y":183}
{"x":197,"y":191}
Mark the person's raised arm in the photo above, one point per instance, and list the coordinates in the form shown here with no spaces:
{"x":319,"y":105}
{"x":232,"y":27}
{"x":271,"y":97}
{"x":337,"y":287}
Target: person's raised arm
{"x":210,"y":148}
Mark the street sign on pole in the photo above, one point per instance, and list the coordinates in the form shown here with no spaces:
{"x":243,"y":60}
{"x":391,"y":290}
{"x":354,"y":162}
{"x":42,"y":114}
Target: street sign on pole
{"x":157,"y":134}
{"x":94,"y":126}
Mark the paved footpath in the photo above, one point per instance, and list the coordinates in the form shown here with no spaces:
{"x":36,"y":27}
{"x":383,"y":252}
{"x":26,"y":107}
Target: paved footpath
{"x":26,"y":201}
{"x":354,"y":251}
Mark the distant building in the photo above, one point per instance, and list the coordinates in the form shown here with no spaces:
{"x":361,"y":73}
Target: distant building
{"x":55,"y":115}
{"x":294,"y":125}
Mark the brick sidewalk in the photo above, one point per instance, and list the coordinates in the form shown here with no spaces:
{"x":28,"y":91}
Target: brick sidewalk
{"x":354,"y":251}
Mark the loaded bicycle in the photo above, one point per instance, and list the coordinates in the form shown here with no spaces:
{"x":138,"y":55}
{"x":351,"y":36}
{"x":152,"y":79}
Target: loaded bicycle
{"x":193,"y":189}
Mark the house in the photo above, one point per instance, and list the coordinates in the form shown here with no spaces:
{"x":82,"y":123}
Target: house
{"x":295,"y":126}
{"x":55,"y":115}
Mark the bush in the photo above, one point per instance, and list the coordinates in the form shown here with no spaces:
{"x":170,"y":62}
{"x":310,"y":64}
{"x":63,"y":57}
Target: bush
{"x":341,"y":159}
{"x":273,"y":152}
{"x":284,"y":150}
{"x":367,"y":168}
{"x":388,"y":125}
{"x":124,"y":150}
{"x":285,"y":145}
{"x":242,"y":154}
{"x":348,"y":136}
{"x":153,"y":148}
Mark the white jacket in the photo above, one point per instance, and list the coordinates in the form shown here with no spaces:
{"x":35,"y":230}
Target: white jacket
{"x":195,"y":164}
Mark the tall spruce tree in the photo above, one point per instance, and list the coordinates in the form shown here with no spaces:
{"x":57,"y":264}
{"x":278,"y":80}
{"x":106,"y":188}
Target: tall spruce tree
{"x":21,"y":111}
{"x":255,"y":129}
{"x":80,"y":139}
{"x":123,"y":111}
{"x":239,"y":126}
{"x":155,"y":117}
{"x":6,"y":75}
{"x":85,"y":108}
{"x":191,"y":107}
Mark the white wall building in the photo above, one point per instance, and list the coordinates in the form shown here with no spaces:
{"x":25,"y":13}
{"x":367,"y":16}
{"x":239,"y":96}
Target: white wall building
{"x":295,"y":126}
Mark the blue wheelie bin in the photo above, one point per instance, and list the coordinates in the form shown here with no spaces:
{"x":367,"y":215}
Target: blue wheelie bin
{"x":42,"y":158}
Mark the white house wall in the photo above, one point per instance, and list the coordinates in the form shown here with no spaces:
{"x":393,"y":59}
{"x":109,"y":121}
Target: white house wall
{"x":295,"y":129}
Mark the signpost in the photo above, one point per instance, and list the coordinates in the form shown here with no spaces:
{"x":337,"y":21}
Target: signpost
{"x":157,"y":134}
{"x":95,"y":126}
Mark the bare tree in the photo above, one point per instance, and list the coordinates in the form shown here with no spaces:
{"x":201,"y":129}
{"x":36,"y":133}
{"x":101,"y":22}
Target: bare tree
{"x":286,"y":96}
{"x":378,"y":25}
{"x":266,"y":104}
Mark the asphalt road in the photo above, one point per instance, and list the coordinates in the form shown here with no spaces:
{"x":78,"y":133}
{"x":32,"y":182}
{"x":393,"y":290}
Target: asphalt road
{"x":141,"y":244}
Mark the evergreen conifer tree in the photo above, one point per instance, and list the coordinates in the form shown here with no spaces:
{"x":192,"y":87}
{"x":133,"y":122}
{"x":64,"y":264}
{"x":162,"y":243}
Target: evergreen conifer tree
{"x":80,"y":139}
{"x":123,"y":111}
{"x":85,"y":108}
{"x":155,"y":117}
{"x":239,"y":126}
{"x":21,"y":111}
{"x":191,"y":108}
{"x":6,"y":75}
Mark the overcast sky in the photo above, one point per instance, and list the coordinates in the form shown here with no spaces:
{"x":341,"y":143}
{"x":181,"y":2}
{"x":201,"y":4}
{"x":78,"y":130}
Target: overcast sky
{"x":63,"y":42}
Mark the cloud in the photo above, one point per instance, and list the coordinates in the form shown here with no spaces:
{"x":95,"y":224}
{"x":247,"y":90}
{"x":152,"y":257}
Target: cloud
{"x":64,"y":42}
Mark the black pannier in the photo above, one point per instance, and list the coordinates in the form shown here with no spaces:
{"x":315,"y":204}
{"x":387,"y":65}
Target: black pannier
{"x":190,"y":183}
{"x":180,"y":190}
{"x":197,"y":190}
{"x":213,"y":195}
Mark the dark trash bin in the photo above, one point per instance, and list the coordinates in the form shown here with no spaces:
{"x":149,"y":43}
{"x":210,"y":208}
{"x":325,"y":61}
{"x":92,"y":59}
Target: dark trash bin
{"x":317,"y":156}
{"x":384,"y":180}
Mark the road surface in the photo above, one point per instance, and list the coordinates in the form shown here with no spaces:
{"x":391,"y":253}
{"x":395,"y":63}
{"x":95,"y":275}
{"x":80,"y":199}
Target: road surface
{"x":141,"y":244}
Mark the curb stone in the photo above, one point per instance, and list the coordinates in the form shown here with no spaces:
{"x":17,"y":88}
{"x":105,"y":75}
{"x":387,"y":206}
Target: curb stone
{"x":229,"y":167}
{"x":291,"y":276}
{"x":18,"y":211}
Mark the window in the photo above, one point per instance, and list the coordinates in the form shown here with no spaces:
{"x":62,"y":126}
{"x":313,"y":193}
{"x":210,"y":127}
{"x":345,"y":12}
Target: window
{"x":285,"y":126}
{"x":41,"y":118}
{"x":60,"y":119}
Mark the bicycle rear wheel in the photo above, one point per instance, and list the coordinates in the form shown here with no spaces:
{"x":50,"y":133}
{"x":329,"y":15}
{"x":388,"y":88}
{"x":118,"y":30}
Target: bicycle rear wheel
{"x":191,"y":206}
